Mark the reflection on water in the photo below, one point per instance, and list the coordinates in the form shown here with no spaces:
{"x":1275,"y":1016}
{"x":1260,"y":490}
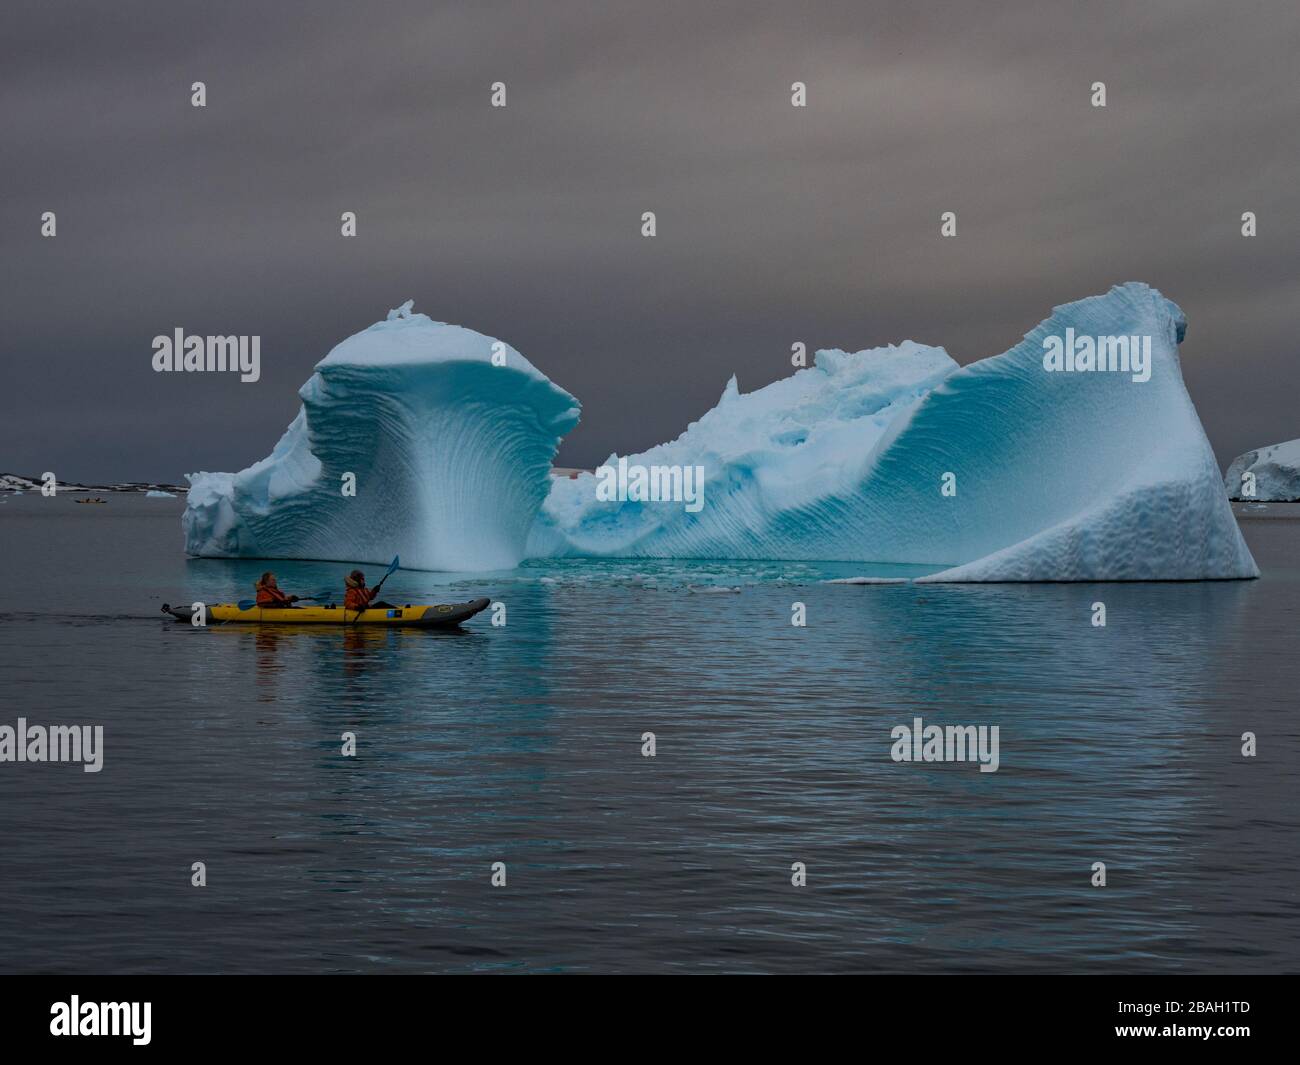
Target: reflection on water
{"x":283,"y":654}
{"x":522,"y":744}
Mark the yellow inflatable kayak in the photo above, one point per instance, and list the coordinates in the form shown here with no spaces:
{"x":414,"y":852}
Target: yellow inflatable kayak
{"x":412,"y":615}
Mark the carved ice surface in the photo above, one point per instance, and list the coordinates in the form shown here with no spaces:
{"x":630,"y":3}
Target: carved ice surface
{"x":451,"y":455}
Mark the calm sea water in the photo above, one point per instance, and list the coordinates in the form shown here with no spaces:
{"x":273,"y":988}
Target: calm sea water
{"x":522,"y":745}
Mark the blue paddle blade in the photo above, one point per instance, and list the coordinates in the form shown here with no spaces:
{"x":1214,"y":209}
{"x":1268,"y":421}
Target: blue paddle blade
{"x":395,"y":564}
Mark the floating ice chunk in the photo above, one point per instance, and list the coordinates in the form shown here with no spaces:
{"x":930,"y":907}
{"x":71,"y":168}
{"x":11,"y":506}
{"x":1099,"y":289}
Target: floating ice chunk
{"x":153,"y":493}
{"x":1276,"y":472}
{"x":450,"y":451}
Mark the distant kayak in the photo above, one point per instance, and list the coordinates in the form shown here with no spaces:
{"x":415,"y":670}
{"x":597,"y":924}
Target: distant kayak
{"x":412,"y":615}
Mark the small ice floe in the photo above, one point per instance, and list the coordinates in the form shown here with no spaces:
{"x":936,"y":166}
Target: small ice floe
{"x":152,"y":494}
{"x":868,"y":580}
{"x":1267,"y":474}
{"x":711,"y":589}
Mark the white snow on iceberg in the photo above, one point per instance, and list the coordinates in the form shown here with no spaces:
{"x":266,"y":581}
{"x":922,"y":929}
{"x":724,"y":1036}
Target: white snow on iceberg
{"x":1276,"y":472}
{"x":1060,"y":476}
{"x":450,"y":453}
{"x":768,"y":456}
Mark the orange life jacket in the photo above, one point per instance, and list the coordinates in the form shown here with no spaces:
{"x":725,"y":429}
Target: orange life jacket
{"x":268,"y":596}
{"x":357,"y":598}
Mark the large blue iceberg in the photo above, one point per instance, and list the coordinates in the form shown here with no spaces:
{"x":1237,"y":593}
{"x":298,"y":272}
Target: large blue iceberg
{"x":447,"y":434}
{"x":1015,"y":468}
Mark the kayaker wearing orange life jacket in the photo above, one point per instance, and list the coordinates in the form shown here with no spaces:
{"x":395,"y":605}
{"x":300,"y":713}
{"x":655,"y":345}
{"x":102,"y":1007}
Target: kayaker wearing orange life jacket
{"x":358,"y":597}
{"x":269,"y":594}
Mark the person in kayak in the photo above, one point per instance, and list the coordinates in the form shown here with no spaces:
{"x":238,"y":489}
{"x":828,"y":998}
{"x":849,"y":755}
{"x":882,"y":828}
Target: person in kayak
{"x":358,"y":597}
{"x":269,"y":594}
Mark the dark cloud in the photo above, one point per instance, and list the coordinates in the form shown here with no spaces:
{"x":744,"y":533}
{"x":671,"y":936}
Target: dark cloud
{"x":775,"y":224}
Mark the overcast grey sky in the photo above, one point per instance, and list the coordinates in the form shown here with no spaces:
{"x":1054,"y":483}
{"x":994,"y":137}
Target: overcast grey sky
{"x":776,"y":224}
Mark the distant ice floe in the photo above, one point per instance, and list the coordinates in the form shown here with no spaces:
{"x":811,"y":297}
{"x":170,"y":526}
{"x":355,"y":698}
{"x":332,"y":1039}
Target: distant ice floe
{"x":1274,"y":474}
{"x":998,"y":471}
